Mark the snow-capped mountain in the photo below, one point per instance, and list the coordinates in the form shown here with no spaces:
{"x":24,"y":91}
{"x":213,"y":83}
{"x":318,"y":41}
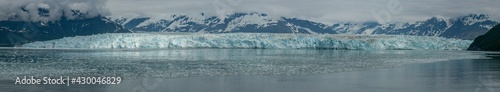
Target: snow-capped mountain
{"x":238,"y":22}
{"x":465,"y":27}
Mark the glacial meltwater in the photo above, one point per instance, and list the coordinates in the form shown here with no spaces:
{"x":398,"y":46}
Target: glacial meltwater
{"x":254,"y":70}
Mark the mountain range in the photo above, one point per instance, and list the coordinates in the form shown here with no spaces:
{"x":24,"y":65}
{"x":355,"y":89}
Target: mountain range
{"x":465,"y":27}
{"x":14,"y":33}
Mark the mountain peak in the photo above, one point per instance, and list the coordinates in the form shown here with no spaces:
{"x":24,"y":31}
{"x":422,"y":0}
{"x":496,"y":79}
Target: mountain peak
{"x":476,"y":16}
{"x":437,"y":19}
{"x":472,"y":19}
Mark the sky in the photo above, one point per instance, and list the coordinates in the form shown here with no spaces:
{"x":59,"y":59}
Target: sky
{"x":319,"y":10}
{"x":28,"y":10}
{"x":325,"y":11}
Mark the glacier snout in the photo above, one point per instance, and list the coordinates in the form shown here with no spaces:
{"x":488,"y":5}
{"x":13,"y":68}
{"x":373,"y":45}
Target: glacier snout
{"x":254,"y":41}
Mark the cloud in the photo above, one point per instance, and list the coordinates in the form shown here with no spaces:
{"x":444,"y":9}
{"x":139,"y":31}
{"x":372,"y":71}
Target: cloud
{"x":325,"y":11}
{"x":49,"y":10}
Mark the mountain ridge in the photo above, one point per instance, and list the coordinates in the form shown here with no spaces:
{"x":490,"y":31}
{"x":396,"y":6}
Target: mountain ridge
{"x":487,"y":42}
{"x":465,"y":27}
{"x":14,"y":33}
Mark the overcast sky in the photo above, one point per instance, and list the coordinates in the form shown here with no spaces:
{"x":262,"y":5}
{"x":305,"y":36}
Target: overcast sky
{"x":318,"y":10}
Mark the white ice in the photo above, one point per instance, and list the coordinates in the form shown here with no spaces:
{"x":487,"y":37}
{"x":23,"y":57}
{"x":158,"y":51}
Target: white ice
{"x":253,"y":41}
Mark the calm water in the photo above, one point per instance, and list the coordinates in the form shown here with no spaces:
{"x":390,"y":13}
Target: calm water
{"x":255,"y":70}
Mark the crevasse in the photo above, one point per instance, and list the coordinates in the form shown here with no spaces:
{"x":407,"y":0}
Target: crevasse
{"x":253,"y":41}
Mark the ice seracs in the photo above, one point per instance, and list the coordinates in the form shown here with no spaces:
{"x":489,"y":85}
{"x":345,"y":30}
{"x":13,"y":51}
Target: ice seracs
{"x":253,"y":41}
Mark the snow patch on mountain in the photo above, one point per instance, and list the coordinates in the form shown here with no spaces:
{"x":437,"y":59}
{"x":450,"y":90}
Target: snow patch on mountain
{"x":369,"y":31}
{"x":151,"y":21}
{"x":253,"y":19}
{"x":473,"y":19}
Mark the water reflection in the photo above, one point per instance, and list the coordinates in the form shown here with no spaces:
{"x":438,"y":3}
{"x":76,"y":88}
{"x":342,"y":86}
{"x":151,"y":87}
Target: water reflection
{"x":253,"y":70}
{"x":449,"y":76}
{"x":477,"y":75}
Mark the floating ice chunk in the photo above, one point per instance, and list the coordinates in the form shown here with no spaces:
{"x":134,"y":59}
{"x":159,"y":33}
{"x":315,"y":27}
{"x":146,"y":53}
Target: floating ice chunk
{"x":254,"y":41}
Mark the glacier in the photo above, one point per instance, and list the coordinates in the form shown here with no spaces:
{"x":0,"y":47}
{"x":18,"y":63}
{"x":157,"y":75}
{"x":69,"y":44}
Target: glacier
{"x":252,"y":41}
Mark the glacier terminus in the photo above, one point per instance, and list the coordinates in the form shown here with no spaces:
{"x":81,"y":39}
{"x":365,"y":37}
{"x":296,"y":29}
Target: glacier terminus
{"x":253,"y":41}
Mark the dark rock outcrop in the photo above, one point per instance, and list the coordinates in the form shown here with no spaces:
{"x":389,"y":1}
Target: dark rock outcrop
{"x":13,"y":33}
{"x":487,"y":42}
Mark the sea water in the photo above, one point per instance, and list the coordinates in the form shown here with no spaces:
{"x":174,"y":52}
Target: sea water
{"x":254,"y":70}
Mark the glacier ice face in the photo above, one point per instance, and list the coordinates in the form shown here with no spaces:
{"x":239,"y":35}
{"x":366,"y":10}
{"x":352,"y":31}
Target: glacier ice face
{"x":253,"y":41}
